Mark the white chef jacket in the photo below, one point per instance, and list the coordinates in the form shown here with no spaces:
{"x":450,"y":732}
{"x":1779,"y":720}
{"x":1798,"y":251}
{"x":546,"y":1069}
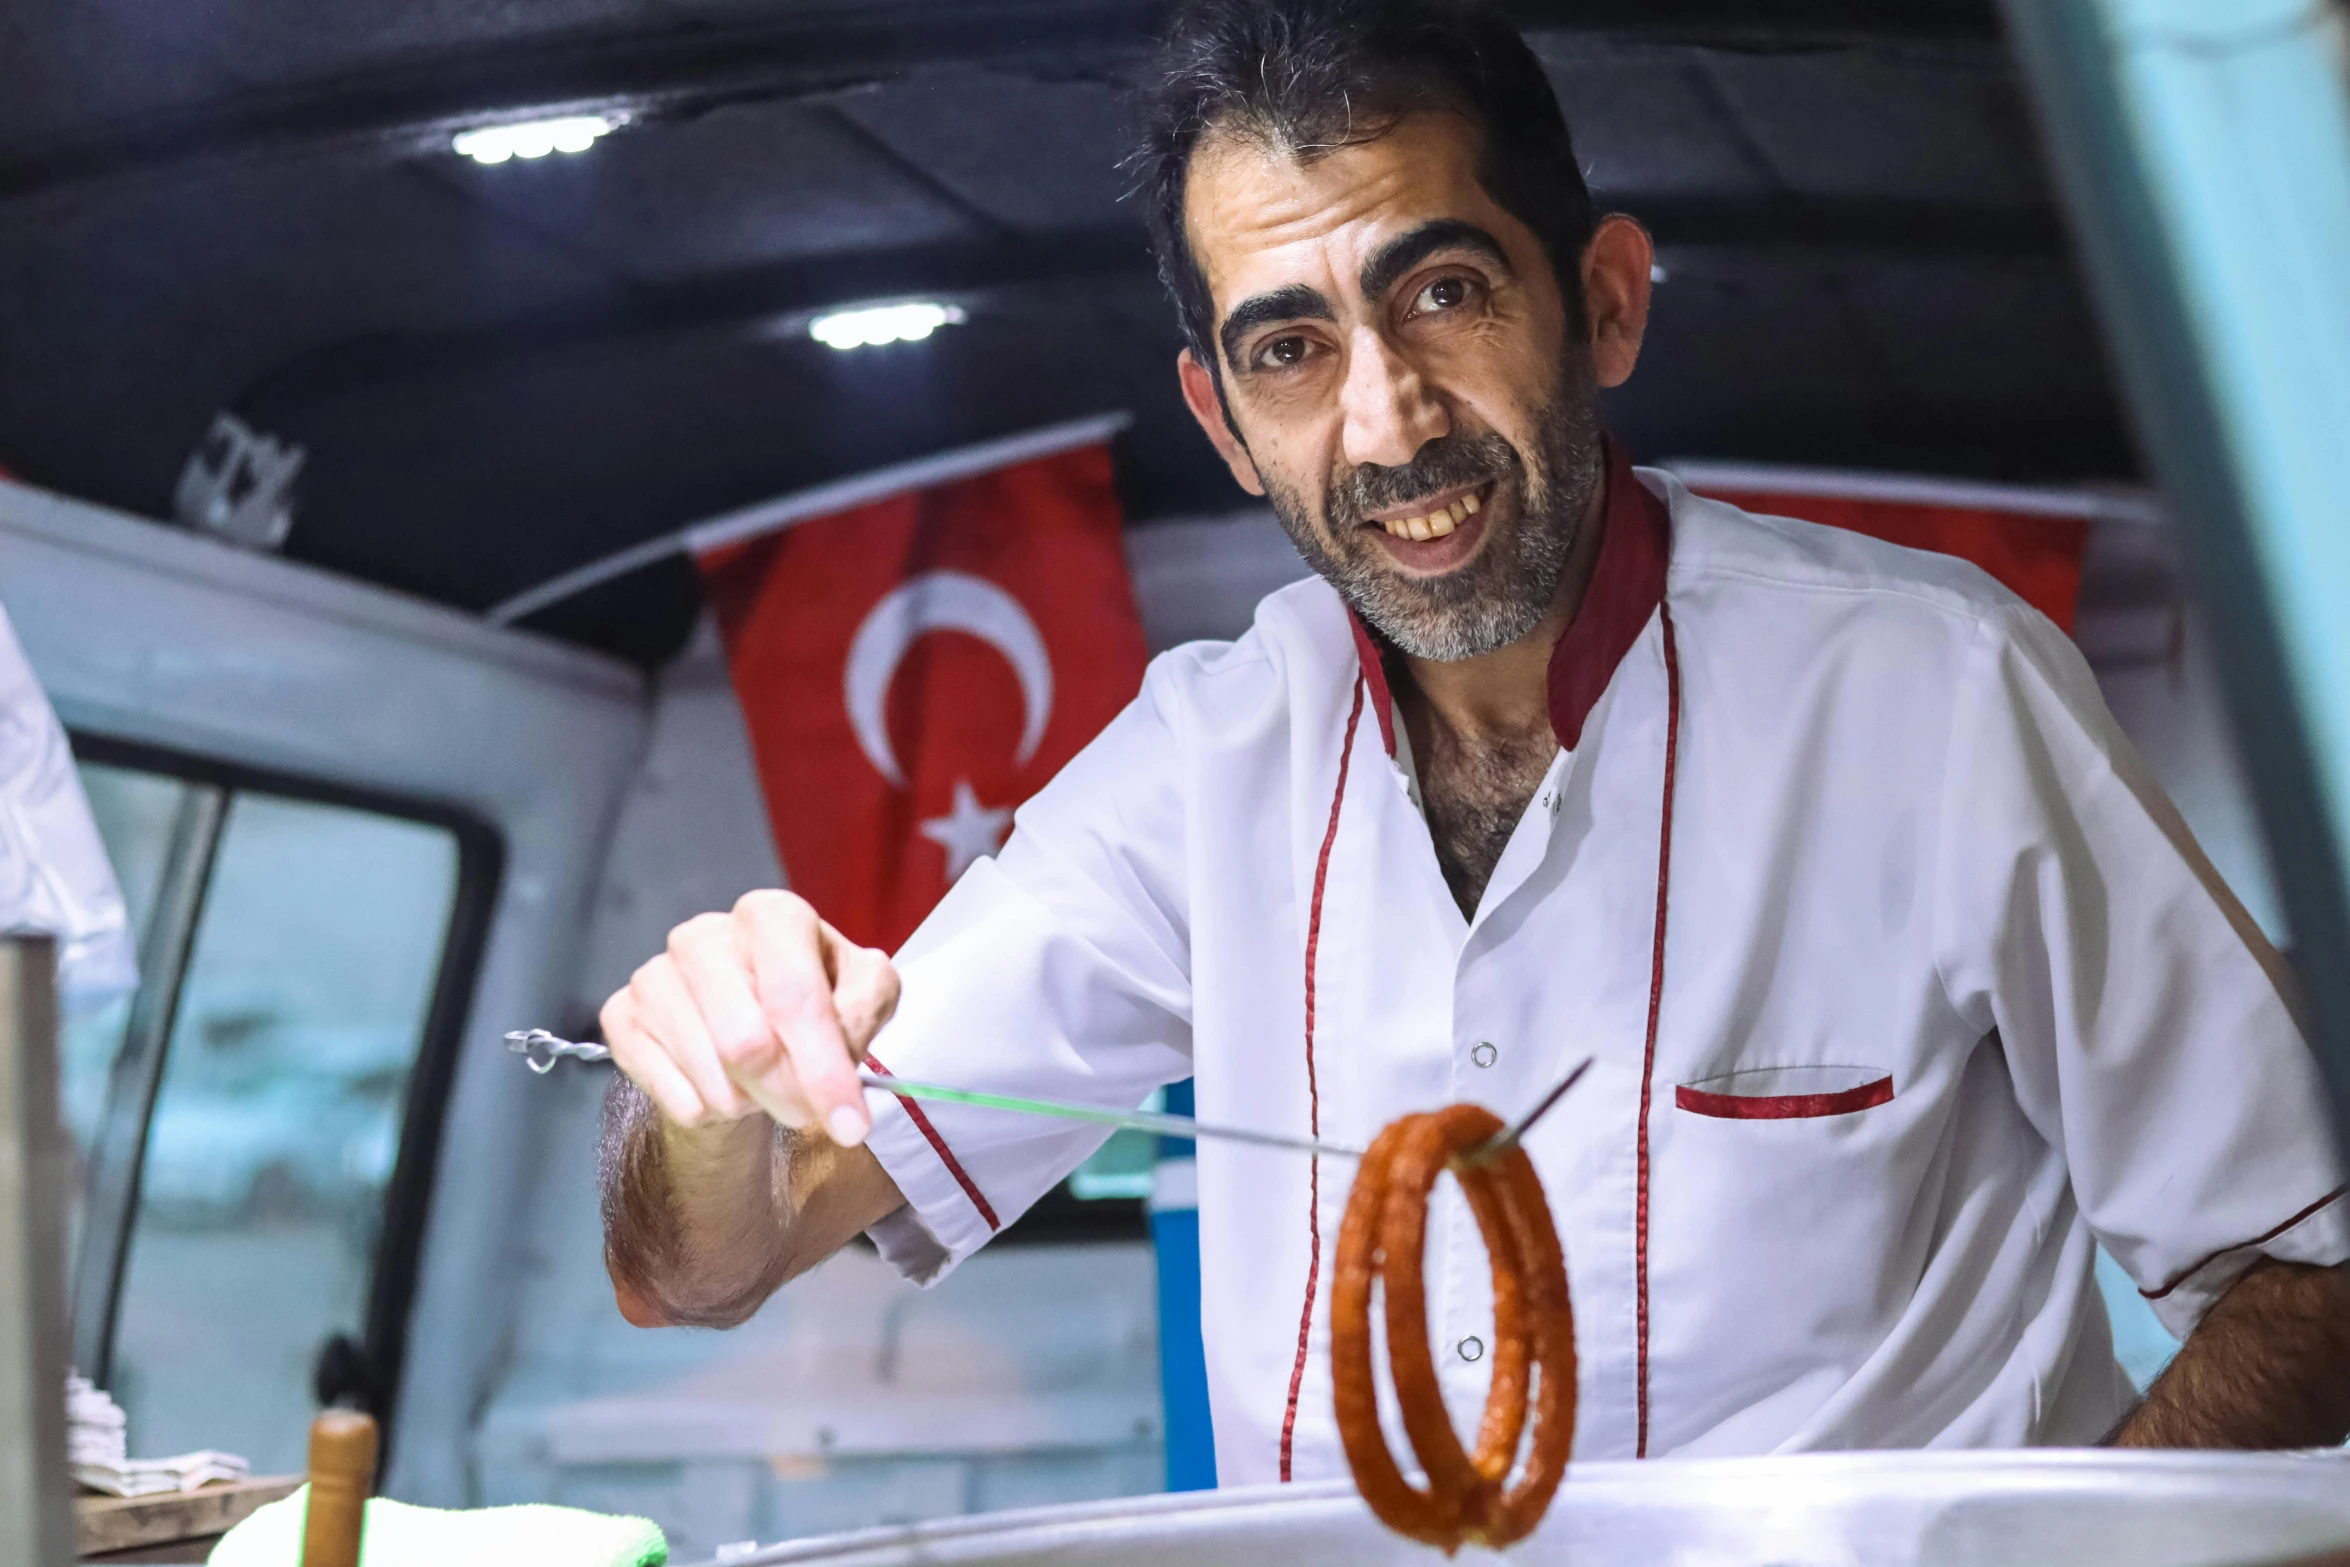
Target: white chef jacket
{"x":54,"y":874}
{"x":1927,"y":988}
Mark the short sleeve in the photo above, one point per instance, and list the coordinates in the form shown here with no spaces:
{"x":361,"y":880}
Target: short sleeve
{"x":1059,"y":969}
{"x":2140,"y":1009}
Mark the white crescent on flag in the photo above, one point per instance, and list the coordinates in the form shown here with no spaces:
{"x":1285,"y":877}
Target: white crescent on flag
{"x":941,"y":601}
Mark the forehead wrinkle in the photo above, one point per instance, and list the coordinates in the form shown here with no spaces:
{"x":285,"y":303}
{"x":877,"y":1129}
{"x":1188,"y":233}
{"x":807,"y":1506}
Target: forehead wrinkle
{"x":1304,"y":214}
{"x":1291,"y":209}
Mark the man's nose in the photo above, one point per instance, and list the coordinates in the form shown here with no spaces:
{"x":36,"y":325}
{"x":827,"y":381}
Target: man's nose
{"x":1390,"y":412}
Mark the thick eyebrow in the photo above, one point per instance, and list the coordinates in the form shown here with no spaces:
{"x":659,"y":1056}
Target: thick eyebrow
{"x":1297,"y":302}
{"x":1406,"y":251}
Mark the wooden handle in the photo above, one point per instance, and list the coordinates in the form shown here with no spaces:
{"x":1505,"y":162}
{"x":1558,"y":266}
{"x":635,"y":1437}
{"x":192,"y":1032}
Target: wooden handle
{"x":342,"y":1472}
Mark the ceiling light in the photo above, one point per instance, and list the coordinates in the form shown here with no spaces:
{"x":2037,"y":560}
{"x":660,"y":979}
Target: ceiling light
{"x":533,"y":138}
{"x":907,"y":323}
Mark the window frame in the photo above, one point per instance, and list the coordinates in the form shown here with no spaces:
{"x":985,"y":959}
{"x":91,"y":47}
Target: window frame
{"x":408,"y":1194}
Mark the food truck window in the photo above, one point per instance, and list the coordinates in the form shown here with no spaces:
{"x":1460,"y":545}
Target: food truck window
{"x":307,"y":1001}
{"x":136,"y":813}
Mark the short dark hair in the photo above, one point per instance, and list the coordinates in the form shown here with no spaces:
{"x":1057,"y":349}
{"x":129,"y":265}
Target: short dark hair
{"x":1310,"y":76}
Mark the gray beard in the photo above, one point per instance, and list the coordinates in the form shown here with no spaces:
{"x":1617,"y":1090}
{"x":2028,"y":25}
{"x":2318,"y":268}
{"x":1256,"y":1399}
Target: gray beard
{"x":1506,"y":589}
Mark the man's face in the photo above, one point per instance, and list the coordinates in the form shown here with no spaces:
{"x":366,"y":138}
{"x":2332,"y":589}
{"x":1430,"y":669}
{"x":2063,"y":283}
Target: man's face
{"x":1398,"y":358}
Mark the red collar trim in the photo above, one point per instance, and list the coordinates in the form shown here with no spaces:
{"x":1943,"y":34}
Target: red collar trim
{"x":1374,"y":676}
{"x":1627,"y":585}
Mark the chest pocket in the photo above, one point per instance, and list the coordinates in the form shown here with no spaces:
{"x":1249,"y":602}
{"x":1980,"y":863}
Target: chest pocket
{"x":1786,"y":1093}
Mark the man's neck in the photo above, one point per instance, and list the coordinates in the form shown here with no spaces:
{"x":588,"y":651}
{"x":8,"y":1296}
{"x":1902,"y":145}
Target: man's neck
{"x":1480,"y":729}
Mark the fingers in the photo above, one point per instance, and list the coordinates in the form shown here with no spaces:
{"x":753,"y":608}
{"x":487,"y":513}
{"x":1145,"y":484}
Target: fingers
{"x":793,"y":961}
{"x":709,"y":956}
{"x":864,"y":990}
{"x":666,"y":1009}
{"x":642,"y":1056}
{"x":768,"y":1007}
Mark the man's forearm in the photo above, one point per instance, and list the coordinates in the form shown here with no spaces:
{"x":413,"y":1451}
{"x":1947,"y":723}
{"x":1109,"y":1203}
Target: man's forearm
{"x":693,"y":1222}
{"x":2269,"y":1366}
{"x":701,"y":1226}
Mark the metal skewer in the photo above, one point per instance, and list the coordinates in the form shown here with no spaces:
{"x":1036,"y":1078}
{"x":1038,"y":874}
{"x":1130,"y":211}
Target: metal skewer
{"x":1509,"y":1137}
{"x":542,"y":1049}
{"x":1133,"y":1120}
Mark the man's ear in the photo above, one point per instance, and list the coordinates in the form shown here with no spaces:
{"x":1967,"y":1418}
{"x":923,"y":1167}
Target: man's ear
{"x":1616,"y":276}
{"x":1199,"y":393}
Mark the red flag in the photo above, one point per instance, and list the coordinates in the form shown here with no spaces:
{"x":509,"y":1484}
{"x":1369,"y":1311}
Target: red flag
{"x":2035,"y":555}
{"x":913,"y":669}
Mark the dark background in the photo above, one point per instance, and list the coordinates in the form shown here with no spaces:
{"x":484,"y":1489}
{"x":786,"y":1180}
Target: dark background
{"x":503,"y":372}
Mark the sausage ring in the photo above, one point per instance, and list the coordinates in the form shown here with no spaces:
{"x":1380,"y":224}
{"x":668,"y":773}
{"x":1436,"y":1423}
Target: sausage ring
{"x":1382,"y":1241}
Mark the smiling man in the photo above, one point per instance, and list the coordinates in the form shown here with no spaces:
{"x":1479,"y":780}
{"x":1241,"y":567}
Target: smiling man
{"x":1904,"y":984}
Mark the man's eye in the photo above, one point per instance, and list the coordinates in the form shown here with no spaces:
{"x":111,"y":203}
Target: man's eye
{"x":1446,"y":293}
{"x":1283,"y":351}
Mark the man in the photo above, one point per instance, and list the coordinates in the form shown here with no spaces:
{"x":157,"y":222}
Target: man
{"x":1904,"y":984}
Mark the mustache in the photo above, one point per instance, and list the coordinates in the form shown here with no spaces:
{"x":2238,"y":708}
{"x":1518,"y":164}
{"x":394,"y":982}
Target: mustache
{"x":1443,"y":463}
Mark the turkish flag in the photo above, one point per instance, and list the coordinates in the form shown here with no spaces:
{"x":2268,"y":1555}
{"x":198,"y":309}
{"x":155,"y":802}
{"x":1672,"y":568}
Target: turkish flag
{"x":2036,"y":556}
{"x":912,"y":669}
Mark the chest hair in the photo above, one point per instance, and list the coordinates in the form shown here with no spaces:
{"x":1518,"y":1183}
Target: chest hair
{"x":1474,"y":793}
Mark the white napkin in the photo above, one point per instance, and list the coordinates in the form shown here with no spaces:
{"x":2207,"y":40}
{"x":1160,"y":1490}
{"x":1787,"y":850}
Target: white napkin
{"x":97,"y":1451}
{"x":95,"y":1426}
{"x":155,"y":1476}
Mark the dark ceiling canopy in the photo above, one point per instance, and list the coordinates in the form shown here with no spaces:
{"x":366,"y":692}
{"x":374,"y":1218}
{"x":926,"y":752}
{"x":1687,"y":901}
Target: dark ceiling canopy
{"x":500,"y":372}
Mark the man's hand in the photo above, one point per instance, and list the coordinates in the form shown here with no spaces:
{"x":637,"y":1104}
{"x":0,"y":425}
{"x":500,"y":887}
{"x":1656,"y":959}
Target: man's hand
{"x":708,"y":1205}
{"x":766,"y":1008}
{"x":2269,"y":1366}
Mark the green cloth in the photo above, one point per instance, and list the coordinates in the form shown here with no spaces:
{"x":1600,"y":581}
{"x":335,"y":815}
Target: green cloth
{"x":399,"y":1535}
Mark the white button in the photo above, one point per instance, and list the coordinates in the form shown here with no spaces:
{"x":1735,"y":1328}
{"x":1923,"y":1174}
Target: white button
{"x":1472,"y":1348}
{"x":1483,"y":1053}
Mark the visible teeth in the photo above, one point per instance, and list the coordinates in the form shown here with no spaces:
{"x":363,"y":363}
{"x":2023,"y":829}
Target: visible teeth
{"x":1442,"y":523}
{"x":1396,"y":529}
{"x":1421,"y":530}
{"x":1458,"y":513}
{"x":1470,"y":501}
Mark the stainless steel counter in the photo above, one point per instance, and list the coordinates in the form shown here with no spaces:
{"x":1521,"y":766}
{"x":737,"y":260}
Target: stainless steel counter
{"x":2064,"y":1508}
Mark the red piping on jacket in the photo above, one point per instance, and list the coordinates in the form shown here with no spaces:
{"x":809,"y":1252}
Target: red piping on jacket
{"x":1656,"y":1004}
{"x":2261,"y":1239}
{"x":1783,"y":1107}
{"x":1627,"y":587}
{"x":1305,"y":1321}
{"x":954,"y":1165}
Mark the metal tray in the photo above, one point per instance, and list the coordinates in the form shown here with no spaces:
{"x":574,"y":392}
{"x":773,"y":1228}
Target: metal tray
{"x":2068,"y":1508}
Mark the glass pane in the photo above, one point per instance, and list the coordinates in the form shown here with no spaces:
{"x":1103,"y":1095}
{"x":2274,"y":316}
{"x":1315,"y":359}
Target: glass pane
{"x":277,"y":1122}
{"x":135,"y":812}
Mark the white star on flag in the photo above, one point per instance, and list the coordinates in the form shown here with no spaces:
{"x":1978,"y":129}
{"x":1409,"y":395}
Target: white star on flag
{"x":969,"y":832}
